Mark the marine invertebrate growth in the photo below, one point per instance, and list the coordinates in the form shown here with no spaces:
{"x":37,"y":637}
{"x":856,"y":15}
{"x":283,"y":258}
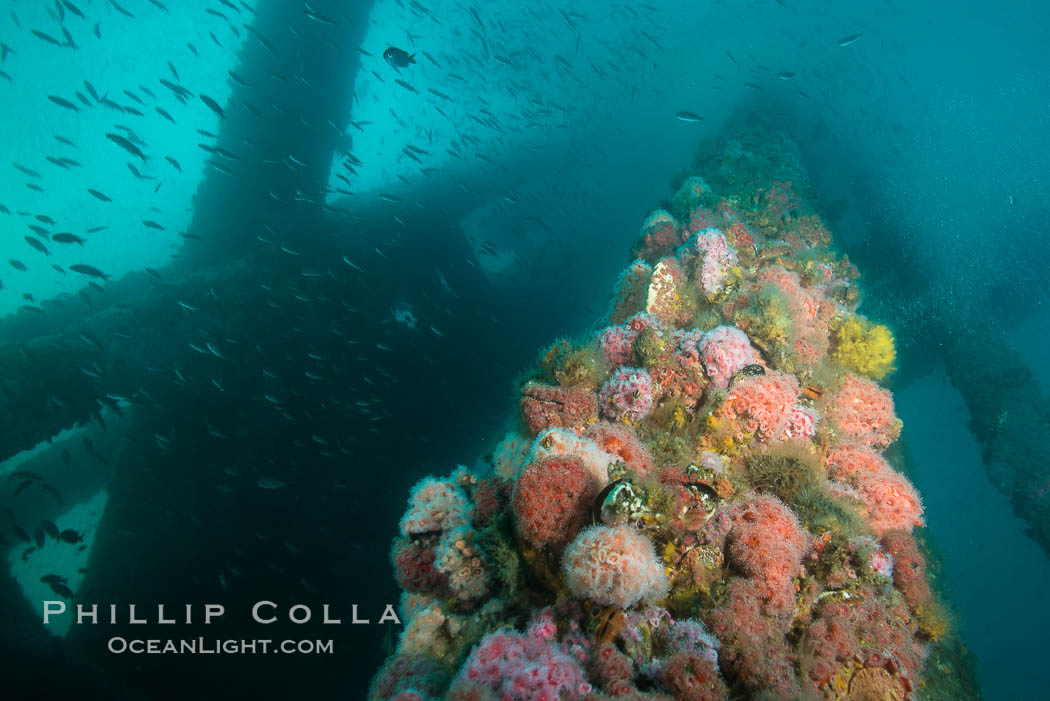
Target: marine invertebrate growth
{"x":863,"y":347}
{"x":543,"y":406}
{"x":552,"y":500}
{"x":717,"y":259}
{"x":859,"y":411}
{"x":435,"y":506}
{"x":525,"y":667}
{"x":627,"y":395}
{"x":614,"y":566}
{"x":697,"y":506}
{"x":725,"y":351}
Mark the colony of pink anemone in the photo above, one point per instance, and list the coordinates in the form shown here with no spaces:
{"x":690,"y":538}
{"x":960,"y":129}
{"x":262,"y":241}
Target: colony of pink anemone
{"x":626,"y":543}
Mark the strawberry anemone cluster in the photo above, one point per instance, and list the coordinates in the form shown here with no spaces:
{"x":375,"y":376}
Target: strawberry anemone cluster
{"x":695,"y":503}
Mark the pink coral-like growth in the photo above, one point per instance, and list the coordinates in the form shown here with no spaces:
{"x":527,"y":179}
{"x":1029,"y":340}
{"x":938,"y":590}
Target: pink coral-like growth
{"x":827,"y":645}
{"x":529,"y":667}
{"x":763,"y":405}
{"x":614,"y":566}
{"x":687,"y":346}
{"x":717,"y":258}
{"x":660,"y":234}
{"x":561,"y":442}
{"x":889,"y":498}
{"x":862,"y":412}
{"x":803,"y":423}
{"x":725,"y":350}
{"x":616,"y":344}
{"x":621,"y":441}
{"x":846,"y":462}
{"x":754,"y":648}
{"x":767,"y":544}
{"x":909,"y":574}
{"x":552,"y":500}
{"x":435,"y":505}
{"x":810,"y":314}
{"x":543,"y":406}
{"x":691,"y":677}
{"x":408,"y":674}
{"x":414,"y":566}
{"x":627,"y":395}
{"x":701,"y":218}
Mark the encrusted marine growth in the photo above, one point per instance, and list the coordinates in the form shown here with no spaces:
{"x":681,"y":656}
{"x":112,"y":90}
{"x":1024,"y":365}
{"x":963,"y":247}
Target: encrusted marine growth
{"x":695,"y":505}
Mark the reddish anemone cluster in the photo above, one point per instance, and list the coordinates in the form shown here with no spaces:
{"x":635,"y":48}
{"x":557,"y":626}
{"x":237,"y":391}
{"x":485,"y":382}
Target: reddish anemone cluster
{"x":552,"y":501}
{"x":762,"y":406}
{"x":695,"y":501}
{"x":889,"y":498}
{"x":862,"y":412}
{"x":725,"y":351}
{"x":621,"y":441}
{"x":767,"y":544}
{"x":660,"y":235}
{"x":810,"y":313}
{"x":627,"y":395}
{"x":543,"y":406}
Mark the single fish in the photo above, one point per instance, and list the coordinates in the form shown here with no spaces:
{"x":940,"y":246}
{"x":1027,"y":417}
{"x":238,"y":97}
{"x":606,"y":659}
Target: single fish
{"x":212,"y":105}
{"x":88,"y":270}
{"x":126,"y":145}
{"x":121,"y":10}
{"x":687,"y":116}
{"x":70,"y":536}
{"x":62,"y":590}
{"x":73,"y":8}
{"x":27,"y":171}
{"x":398,"y":58}
{"x":46,"y":37}
{"x":37,"y":245}
{"x":99,"y":195}
{"x":62,"y":102}
{"x":851,"y":39}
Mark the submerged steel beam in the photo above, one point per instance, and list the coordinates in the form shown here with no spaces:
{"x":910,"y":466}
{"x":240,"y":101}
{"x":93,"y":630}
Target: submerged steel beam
{"x":286,"y":125}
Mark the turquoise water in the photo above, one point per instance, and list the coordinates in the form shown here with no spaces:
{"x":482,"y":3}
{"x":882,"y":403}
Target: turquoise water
{"x":993,"y":572}
{"x":294,"y":284}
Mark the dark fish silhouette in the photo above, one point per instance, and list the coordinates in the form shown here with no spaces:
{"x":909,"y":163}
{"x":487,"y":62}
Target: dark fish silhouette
{"x":126,"y":145}
{"x":70,"y":536}
{"x":213,"y":106}
{"x":398,"y":58}
{"x":88,"y":270}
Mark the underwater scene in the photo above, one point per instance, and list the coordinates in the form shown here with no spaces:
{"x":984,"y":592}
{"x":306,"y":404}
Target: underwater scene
{"x":446,"y":350}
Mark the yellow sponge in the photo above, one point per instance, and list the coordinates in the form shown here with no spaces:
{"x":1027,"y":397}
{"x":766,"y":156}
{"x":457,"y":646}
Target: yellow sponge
{"x":863,"y":347}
